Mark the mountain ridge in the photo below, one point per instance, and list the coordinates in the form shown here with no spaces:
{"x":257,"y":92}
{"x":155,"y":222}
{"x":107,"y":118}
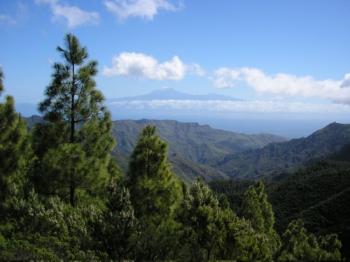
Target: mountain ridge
{"x":201,"y":151}
{"x":281,"y":157}
{"x":192,"y":147}
{"x":172,"y":94}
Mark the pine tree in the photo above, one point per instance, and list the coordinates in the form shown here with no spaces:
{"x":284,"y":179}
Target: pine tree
{"x":202,"y":223}
{"x":48,"y":229}
{"x":119,"y":226}
{"x":155,"y":191}
{"x":15,"y":151}
{"x":300,"y":245}
{"x":74,"y":114}
{"x":63,"y":160}
{"x":155,"y":194}
{"x":257,"y":209}
{"x":212,"y":231}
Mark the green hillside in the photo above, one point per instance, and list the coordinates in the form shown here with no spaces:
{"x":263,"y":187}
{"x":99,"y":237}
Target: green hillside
{"x":193,"y":148}
{"x":188,"y":171}
{"x":318,"y":193}
{"x":277,"y":157}
{"x":194,"y":142}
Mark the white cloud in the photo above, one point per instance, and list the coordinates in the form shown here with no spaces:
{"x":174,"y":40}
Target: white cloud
{"x":73,"y":15}
{"x":6,"y":19}
{"x":284,"y":84}
{"x":224,"y":106}
{"x":146,"y":9}
{"x":196,"y":69}
{"x":346,"y":81}
{"x":225,"y":77}
{"x":144,"y":66}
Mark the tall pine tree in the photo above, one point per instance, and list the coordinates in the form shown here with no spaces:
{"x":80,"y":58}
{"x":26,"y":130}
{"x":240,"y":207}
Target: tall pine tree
{"x":74,"y":116}
{"x":155,"y":191}
{"x":257,"y":209}
{"x":202,"y":224}
{"x":117,"y":232}
{"x":155,"y":194}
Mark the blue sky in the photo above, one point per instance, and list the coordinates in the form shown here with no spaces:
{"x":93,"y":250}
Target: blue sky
{"x":292,"y":50}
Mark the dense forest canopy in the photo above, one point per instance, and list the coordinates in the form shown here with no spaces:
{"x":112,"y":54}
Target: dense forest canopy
{"x":63,"y":196}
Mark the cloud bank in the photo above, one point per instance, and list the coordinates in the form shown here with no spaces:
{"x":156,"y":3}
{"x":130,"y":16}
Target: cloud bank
{"x":146,"y":9}
{"x":284,"y":84}
{"x":144,"y":66}
{"x":224,"y":106}
{"x":73,"y":15}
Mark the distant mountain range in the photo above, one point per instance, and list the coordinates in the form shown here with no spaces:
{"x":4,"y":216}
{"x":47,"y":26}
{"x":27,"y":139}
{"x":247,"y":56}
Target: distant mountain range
{"x":201,"y":151}
{"x":222,"y":112}
{"x":221,"y":154}
{"x":281,"y":157}
{"x":216,"y":110}
{"x":28,"y":109}
{"x":172,"y":94}
{"x":193,"y":148}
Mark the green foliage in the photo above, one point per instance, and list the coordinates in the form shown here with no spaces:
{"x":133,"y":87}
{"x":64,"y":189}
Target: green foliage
{"x":155,"y":194}
{"x":193,"y":148}
{"x":47,"y":229}
{"x":58,"y":162}
{"x":307,"y":188}
{"x":232,"y":190}
{"x":318,"y":194}
{"x":155,"y":191}
{"x":201,"y":217}
{"x":257,"y":209}
{"x":72,"y":95}
{"x":212,"y":231}
{"x":118,"y":229}
{"x":74,"y":114}
{"x":15,"y":151}
{"x":285,"y":157}
{"x":299,"y":245}
{"x":46,"y":136}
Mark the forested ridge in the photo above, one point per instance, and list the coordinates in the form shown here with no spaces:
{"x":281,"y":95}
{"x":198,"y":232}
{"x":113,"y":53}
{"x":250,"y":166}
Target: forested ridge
{"x":287,"y":156}
{"x":318,"y":194}
{"x":64,"y":197}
